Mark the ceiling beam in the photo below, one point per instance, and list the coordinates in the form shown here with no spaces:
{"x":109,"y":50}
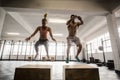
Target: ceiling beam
{"x":82,"y":6}
{"x":55,"y":11}
{"x":117,"y":9}
{"x":21,"y":21}
{"x":109,"y":5}
{"x":2,"y":18}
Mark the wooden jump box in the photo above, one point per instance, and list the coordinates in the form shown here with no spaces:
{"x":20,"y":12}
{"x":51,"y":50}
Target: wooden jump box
{"x":33,"y":72}
{"x":80,"y":72}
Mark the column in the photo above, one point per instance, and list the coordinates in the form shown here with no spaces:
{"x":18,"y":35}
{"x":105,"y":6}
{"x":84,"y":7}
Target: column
{"x":115,"y":41}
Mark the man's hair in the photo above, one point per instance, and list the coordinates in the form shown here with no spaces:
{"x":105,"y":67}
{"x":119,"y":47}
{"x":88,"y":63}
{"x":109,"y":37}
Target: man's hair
{"x":44,"y":19}
{"x":72,"y":15}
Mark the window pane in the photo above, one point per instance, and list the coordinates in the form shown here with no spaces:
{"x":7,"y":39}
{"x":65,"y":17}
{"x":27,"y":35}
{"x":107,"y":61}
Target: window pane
{"x":52,"y":48}
{"x":7,"y":50}
{"x":95,"y":43}
{"x":109,"y":49}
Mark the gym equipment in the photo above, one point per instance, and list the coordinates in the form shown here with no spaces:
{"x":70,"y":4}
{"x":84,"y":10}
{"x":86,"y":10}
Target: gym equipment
{"x":80,"y":72}
{"x":33,"y":72}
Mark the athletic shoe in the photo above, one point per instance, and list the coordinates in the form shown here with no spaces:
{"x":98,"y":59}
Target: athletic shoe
{"x":67,"y":60}
{"x":77,"y":59}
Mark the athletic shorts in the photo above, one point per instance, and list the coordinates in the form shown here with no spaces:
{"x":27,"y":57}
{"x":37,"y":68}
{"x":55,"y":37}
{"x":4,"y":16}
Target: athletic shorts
{"x":41,"y":42}
{"x":73,"y":39}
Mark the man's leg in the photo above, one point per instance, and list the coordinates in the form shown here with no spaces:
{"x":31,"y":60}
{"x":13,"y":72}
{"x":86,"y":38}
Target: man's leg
{"x":46,"y":48}
{"x":36,"y":48}
{"x":68,"y":50}
{"x":79,"y":48}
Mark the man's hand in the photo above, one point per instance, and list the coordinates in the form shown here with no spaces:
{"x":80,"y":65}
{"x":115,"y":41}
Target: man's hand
{"x":27,"y":39}
{"x":79,"y":17}
{"x":54,"y":39}
{"x":80,"y":20}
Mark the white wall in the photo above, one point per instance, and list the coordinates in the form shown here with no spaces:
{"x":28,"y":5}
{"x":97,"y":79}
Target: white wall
{"x":100,"y":31}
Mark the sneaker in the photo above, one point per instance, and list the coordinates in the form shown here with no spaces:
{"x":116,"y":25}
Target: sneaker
{"x":77,"y":59}
{"x":67,"y":60}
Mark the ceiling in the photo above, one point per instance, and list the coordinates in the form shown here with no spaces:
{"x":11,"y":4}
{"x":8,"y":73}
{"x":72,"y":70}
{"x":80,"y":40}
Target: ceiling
{"x":24,"y":18}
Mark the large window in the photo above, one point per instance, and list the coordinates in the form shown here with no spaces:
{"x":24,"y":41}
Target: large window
{"x":23,"y":50}
{"x":103,"y":40}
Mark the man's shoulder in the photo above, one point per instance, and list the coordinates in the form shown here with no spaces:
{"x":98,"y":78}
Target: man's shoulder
{"x":78,"y":23}
{"x":48,"y":27}
{"x":38,"y":27}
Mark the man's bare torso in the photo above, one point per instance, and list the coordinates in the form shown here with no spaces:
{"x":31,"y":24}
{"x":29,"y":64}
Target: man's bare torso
{"x":43,"y":32}
{"x":72,"y":28}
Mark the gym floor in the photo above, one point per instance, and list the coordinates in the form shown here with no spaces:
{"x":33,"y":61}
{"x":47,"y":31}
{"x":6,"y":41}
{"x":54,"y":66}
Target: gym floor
{"x":7,"y":69}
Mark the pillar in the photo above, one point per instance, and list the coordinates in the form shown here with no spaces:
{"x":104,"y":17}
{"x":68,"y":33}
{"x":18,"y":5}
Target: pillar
{"x":115,"y":41}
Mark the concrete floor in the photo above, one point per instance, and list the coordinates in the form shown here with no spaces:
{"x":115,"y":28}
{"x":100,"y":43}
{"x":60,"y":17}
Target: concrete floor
{"x":7,"y":69}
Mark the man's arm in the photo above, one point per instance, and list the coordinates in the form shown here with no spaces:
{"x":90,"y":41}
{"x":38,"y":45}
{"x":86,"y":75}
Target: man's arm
{"x":81,"y":21}
{"x":50,"y":31}
{"x":68,"y":22}
{"x":37,"y":29}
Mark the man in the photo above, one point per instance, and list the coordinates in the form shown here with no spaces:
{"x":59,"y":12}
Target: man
{"x":72,"y":28}
{"x":43,"y":40}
